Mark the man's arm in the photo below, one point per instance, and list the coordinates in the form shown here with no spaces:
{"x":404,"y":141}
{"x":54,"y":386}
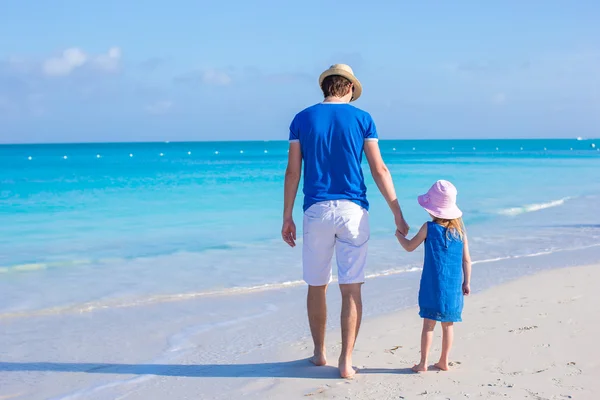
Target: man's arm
{"x":292,"y":179}
{"x":384,"y":182}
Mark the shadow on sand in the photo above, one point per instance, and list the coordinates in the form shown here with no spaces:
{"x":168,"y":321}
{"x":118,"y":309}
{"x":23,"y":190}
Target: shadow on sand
{"x":288,"y":369}
{"x":391,"y":371}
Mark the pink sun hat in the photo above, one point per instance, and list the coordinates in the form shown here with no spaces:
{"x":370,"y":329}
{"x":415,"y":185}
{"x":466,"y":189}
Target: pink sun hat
{"x":440,"y":201}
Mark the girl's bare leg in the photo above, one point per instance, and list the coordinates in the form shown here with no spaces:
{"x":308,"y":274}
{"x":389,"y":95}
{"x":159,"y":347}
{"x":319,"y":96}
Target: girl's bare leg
{"x":447,"y":339}
{"x":426,"y":339}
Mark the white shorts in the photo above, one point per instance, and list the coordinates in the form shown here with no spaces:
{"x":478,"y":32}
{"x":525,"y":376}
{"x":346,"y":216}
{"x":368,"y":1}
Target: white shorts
{"x":339,"y":225}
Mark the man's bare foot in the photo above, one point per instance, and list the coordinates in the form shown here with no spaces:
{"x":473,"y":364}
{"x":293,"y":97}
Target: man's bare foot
{"x":442,"y":366}
{"x":421,"y":367}
{"x":318,"y":359}
{"x":346,"y":369}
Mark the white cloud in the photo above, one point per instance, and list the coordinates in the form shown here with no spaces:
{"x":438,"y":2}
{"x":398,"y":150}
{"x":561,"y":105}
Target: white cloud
{"x":160,"y":107}
{"x":74,"y":58}
{"x":108,"y":62}
{"x":69,"y":60}
{"x":216,"y":77}
{"x":499,"y":98}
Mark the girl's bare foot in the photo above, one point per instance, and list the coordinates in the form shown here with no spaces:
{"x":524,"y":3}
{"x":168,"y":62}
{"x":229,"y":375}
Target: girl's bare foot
{"x":421,"y":367}
{"x":346,"y":369}
{"x":318,"y":359}
{"x":442,"y":366}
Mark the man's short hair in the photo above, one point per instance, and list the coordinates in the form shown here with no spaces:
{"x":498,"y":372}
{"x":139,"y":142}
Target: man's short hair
{"x":335,"y":85}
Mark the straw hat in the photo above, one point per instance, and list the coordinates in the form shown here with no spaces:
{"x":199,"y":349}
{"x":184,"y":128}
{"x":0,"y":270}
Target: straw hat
{"x":440,"y":201}
{"x":345,"y":71}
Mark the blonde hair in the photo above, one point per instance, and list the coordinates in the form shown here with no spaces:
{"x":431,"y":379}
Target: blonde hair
{"x":455,"y":227}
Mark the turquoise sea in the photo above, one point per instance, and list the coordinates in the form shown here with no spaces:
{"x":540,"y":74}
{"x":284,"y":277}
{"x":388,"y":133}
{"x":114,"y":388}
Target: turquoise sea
{"x":102,"y":225}
{"x":121,"y":263}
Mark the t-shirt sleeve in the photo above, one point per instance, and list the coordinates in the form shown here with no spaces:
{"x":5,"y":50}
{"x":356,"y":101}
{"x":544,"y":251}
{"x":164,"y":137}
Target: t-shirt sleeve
{"x":370,"y":129}
{"x":294,"y":134}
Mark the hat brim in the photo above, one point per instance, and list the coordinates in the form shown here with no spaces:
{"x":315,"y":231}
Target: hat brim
{"x":347,"y":75}
{"x":452,"y":212}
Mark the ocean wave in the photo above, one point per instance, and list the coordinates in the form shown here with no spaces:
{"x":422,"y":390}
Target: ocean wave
{"x":43,"y":265}
{"x":393,"y":272}
{"x":156,"y":299}
{"x":533,"y":207}
{"x":24,"y":267}
{"x":30,"y":267}
{"x":169,"y":298}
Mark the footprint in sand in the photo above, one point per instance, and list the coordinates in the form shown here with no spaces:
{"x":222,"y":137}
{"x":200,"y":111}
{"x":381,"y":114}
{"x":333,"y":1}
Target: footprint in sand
{"x":572,"y":299}
{"x":515,"y":373}
{"x":392,"y":350}
{"x":535,"y":395}
{"x":499,"y":383}
{"x":575,"y":370}
{"x":427,"y":393}
{"x":559,"y":383}
{"x":523,"y":329}
{"x":318,"y":391}
{"x":544,"y":345}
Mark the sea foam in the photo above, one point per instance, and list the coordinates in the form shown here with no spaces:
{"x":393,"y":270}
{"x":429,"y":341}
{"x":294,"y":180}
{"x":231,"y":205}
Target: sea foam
{"x":533,"y":207}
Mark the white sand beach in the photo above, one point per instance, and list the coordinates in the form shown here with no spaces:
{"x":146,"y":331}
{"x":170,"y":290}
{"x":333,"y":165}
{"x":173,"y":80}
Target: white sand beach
{"x":534,"y":338}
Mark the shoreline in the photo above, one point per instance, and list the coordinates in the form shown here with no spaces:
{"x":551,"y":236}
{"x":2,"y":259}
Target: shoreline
{"x":93,"y":360}
{"x":149,"y":300}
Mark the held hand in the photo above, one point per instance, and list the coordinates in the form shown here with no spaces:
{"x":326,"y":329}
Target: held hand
{"x":288,"y":232}
{"x":401,"y":238}
{"x":401,"y":225}
{"x":466,"y":288}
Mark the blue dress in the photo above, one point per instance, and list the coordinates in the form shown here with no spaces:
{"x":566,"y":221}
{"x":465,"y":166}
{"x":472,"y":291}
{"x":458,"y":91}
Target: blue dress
{"x":440,"y":294}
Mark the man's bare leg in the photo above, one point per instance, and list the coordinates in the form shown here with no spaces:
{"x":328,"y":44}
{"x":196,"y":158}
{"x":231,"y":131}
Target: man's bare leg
{"x":350,"y":320}
{"x":316,"y":304}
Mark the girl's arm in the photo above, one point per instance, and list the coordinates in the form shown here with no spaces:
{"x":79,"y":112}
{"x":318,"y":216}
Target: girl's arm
{"x":466,"y":263}
{"x":412,"y":244}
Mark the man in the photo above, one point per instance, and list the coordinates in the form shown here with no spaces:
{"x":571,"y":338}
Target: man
{"x":331,"y":137}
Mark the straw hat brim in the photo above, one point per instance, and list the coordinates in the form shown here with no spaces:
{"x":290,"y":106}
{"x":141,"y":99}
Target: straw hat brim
{"x":345,"y":74}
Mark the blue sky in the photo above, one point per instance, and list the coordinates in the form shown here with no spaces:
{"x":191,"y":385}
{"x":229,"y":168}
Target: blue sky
{"x":235,"y":70}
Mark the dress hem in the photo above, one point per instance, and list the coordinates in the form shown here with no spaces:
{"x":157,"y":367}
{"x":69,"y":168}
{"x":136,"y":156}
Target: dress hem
{"x":440,"y":317}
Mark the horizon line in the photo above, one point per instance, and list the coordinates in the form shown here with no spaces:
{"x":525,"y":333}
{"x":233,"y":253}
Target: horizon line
{"x":579,"y":138}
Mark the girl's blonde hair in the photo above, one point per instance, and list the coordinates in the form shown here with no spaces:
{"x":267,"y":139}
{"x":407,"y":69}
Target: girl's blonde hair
{"x":455,"y":227}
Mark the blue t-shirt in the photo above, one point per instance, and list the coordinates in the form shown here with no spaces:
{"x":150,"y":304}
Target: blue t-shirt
{"x":332,"y":137}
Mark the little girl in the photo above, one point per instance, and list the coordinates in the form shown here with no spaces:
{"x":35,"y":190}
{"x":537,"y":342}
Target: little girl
{"x":446,"y":271}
